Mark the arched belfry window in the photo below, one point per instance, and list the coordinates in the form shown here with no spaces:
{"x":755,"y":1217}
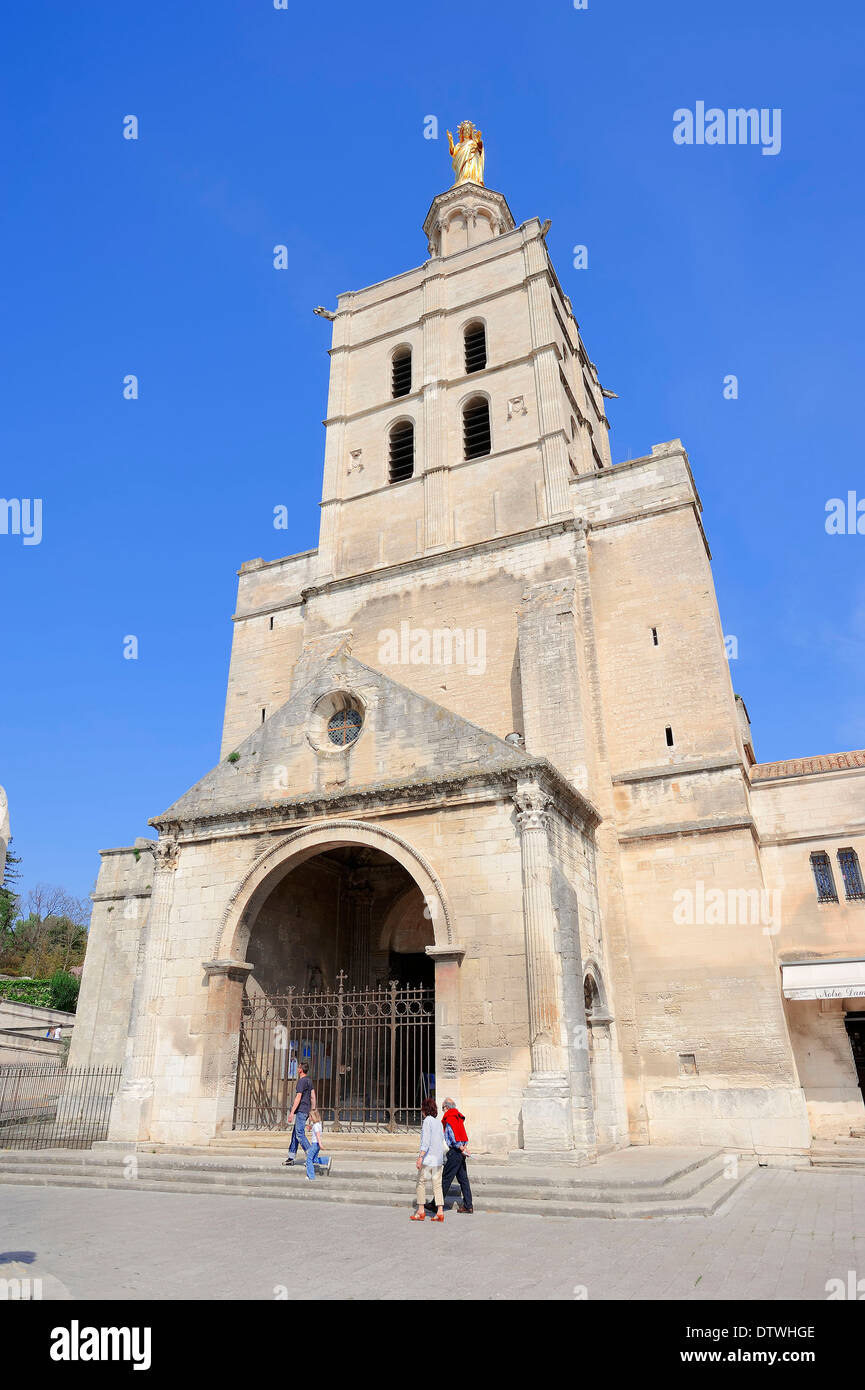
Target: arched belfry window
{"x":476,"y":347}
{"x":476,"y":427}
{"x":401,"y":372}
{"x":851,"y":873}
{"x":401,"y":451}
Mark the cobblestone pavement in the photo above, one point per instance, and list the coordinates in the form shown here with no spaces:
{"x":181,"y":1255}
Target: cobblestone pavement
{"x":783,"y":1236}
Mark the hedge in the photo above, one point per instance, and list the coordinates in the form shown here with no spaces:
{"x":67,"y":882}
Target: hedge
{"x":27,"y":991}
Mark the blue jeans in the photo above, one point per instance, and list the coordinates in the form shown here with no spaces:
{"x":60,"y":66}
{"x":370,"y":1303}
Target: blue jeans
{"x":455,"y":1167}
{"x":298,"y":1135}
{"x":312,"y":1159}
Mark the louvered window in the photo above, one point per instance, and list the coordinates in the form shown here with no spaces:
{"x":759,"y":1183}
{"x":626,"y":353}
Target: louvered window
{"x":401,"y":378}
{"x":823,"y":878}
{"x":476,"y":428}
{"x":401,"y":458}
{"x":848,"y":863}
{"x":476,"y":347}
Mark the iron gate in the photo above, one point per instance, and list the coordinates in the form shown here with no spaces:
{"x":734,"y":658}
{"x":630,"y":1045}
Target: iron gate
{"x":370,"y":1054}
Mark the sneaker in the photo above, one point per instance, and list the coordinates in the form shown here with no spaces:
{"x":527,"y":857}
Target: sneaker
{"x":289,"y":1163}
{"x":308,"y":1178}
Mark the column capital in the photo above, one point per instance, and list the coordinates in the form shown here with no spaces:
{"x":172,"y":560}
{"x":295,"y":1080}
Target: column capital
{"x":532,"y":806}
{"x":165,"y":850}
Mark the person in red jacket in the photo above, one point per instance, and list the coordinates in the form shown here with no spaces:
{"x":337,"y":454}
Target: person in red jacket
{"x":453,"y":1123}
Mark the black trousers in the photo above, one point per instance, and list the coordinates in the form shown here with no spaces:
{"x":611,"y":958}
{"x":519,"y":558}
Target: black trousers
{"x":456,"y":1168}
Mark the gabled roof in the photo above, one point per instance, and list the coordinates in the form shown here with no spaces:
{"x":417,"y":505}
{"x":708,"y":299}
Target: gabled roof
{"x":803,"y":767}
{"x":405,"y":738}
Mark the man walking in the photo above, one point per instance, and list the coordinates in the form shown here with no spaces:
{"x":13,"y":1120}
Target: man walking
{"x":304,"y":1101}
{"x":453,"y":1123}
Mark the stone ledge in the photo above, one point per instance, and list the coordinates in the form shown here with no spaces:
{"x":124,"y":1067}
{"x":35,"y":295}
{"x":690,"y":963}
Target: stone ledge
{"x":661,"y":770}
{"x":695,"y":827}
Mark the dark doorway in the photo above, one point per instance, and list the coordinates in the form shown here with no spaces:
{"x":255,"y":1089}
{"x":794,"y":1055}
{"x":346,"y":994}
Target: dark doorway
{"x":341,"y":981}
{"x":855,"y":1025}
{"x":412,"y":969}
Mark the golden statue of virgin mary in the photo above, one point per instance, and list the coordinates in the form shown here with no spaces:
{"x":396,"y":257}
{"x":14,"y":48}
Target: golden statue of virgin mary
{"x":468,"y":156}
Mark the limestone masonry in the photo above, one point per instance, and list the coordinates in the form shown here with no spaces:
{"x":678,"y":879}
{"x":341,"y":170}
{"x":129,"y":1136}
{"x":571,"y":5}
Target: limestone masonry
{"x":483,"y":742}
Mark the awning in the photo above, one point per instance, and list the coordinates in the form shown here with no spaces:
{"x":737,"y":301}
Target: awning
{"x":824,"y":979}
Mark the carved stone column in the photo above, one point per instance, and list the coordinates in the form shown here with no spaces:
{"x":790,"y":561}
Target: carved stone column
{"x":130,"y":1112}
{"x":546,"y":1111}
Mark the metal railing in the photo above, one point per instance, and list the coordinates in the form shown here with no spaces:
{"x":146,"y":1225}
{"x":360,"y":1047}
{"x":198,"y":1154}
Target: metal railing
{"x":370,"y":1054}
{"x":45,"y":1106}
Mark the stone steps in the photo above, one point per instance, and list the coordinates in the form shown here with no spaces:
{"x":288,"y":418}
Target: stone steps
{"x":847,"y":1151}
{"x":695,"y":1188}
{"x":343,"y":1141}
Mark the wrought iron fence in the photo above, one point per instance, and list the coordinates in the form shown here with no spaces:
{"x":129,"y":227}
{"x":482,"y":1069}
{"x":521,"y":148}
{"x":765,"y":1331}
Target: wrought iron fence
{"x":44,"y":1106}
{"x":370,"y":1054}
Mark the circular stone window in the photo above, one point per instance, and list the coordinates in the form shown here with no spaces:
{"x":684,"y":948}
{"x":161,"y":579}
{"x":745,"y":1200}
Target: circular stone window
{"x":337,"y":722}
{"x":344,"y":727}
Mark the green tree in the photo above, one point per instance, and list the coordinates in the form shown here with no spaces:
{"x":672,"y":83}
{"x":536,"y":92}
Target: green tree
{"x":64,"y":991}
{"x":9,"y":900}
{"x":51,"y":936}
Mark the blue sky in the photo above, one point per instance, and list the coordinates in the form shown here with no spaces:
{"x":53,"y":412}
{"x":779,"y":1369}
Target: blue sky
{"x":305,"y":127}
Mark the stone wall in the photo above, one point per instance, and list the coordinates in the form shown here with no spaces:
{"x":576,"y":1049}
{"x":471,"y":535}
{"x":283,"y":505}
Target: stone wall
{"x":121,"y":903}
{"x":33,"y":1021}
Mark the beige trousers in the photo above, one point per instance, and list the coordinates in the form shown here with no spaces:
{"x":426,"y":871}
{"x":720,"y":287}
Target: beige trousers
{"x":436,"y":1175}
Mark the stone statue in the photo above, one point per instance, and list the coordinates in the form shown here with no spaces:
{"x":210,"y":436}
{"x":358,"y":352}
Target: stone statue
{"x":468,"y":155}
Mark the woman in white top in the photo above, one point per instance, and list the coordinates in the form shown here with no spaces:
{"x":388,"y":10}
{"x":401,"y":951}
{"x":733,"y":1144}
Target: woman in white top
{"x":430,"y":1161}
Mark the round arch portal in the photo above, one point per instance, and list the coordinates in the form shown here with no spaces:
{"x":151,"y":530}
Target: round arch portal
{"x":278,"y":861}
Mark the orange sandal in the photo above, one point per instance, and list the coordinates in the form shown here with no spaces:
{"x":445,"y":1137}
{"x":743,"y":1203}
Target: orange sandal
{"x":437,"y":1218}
{"x":419,"y":1216}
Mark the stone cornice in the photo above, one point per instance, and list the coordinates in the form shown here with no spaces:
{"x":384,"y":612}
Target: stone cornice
{"x":455,"y":553}
{"x":817,"y":836}
{"x":432,"y":792}
{"x":253,"y":566}
{"x":683,"y":769}
{"x":121,"y":896}
{"x":418,"y":562}
{"x":691,"y":827}
{"x":468,"y":192}
{"x":647,"y":513}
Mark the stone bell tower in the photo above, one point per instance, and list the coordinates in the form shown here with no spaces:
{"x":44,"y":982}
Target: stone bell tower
{"x":461,"y":401}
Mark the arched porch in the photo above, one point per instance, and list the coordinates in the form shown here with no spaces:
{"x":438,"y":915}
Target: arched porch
{"x":334,"y":952}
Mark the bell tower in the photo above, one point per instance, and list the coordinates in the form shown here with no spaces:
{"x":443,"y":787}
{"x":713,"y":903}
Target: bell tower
{"x":462,"y":402}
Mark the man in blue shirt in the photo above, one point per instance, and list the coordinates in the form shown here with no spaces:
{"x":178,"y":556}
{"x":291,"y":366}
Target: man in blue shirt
{"x":304,"y":1101}
{"x":453,"y":1123}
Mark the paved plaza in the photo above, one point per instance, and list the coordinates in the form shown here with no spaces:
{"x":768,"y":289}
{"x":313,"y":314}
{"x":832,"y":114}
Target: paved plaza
{"x":782,"y":1236}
